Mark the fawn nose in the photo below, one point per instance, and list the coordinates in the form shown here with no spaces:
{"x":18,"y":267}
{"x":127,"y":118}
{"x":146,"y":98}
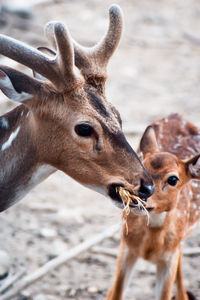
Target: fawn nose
{"x":146,"y":190}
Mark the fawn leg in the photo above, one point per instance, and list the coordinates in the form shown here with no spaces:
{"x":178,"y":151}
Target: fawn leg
{"x":165,"y":275}
{"x":181,"y":294}
{"x":125,"y":262}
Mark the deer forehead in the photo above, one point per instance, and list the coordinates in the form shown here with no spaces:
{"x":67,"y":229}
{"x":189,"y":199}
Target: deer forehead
{"x":103,"y":109}
{"x":95,"y":107}
{"x":160,"y":164}
{"x":84,"y":104}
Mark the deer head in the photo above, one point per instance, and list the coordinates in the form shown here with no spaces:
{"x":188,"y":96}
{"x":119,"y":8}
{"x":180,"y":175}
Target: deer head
{"x":169,"y":172}
{"x":74,"y":128}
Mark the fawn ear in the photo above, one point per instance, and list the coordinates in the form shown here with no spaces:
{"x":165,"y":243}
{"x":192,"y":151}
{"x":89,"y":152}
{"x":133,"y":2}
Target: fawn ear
{"x":193,"y":166}
{"x":148,"y":142}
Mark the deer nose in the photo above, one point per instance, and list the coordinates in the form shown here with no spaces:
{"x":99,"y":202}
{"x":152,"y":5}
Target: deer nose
{"x":146,"y":190}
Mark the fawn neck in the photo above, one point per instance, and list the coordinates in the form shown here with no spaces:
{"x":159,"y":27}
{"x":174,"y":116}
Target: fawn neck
{"x":20,"y":169}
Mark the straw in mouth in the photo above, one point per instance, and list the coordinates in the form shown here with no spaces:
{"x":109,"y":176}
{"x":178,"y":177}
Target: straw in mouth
{"x":128,"y":199}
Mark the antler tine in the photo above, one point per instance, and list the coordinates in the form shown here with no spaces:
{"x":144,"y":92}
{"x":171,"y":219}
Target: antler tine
{"x":106,"y":47}
{"x":49,"y":32}
{"x":61,"y":39}
{"x":29,"y":57}
{"x":58,"y":69}
{"x":95,"y":59}
{"x":80,"y":58}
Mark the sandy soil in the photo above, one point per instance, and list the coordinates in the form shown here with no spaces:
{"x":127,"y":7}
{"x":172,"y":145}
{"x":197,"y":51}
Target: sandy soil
{"x":155,"y":71}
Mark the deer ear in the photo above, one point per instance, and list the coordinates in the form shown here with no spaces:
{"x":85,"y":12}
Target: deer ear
{"x":193,"y":166}
{"x":17,"y":86}
{"x":9,"y":90}
{"x":148,"y":142}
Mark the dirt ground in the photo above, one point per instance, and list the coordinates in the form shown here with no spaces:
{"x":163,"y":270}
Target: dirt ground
{"x":155,"y":71}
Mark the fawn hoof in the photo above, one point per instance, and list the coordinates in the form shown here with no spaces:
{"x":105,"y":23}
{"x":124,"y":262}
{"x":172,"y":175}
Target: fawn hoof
{"x":191,"y":296}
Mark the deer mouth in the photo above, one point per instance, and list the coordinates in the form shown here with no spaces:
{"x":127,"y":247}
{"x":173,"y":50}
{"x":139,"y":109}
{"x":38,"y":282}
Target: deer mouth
{"x":115,"y":196}
{"x":149,"y":209}
{"x":113,"y":192}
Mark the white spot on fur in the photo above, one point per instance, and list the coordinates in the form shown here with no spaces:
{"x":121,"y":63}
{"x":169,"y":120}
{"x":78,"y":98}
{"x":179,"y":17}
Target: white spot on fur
{"x":12,"y":137}
{"x":22,"y":113}
{"x":197,"y":212}
{"x":194,"y":205}
{"x":178,"y":214}
{"x":4,"y":123}
{"x":28,"y":113}
{"x":157,"y":220}
{"x":176,"y":146}
{"x":183,"y":124}
{"x":195,"y":184}
{"x":166,"y":120}
{"x":185,"y":212}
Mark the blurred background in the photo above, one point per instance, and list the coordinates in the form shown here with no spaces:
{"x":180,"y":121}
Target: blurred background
{"x":155,"y":71}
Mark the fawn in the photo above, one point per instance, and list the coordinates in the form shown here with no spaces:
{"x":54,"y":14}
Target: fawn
{"x":65,"y":121}
{"x":169,"y":150}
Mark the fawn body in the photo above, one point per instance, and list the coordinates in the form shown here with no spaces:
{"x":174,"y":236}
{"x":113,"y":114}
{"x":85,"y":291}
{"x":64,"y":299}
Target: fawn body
{"x":169,"y":150}
{"x":65,"y":121}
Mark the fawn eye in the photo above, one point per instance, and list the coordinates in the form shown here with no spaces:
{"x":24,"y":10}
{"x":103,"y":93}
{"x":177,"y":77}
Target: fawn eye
{"x":84,"y":130}
{"x":172,"y":180}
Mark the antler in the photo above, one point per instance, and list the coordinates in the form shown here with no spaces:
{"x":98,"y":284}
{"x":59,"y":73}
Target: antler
{"x":59,"y":69}
{"x":92,"y":61}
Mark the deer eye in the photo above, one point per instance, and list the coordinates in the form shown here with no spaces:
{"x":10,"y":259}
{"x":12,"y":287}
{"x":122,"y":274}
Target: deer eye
{"x":84,"y":130}
{"x":172,"y":180}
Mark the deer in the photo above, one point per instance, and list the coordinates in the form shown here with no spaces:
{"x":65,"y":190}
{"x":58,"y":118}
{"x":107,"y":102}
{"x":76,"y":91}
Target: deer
{"x":64,"y":120}
{"x":169,"y":149}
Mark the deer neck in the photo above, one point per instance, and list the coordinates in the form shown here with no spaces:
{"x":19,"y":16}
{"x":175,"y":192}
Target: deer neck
{"x":20,"y":169}
{"x":157,"y":220}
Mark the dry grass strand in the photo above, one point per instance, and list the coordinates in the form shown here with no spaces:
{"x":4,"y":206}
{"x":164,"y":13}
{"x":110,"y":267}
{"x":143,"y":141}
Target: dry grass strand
{"x":127,"y":199}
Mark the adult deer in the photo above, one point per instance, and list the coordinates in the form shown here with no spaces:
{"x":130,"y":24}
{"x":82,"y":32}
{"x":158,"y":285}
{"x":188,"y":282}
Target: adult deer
{"x":170,"y":150}
{"x":65,"y":121}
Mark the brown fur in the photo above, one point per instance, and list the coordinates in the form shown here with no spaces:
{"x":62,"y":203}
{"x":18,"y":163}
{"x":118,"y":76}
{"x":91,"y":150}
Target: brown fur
{"x":65,"y":97}
{"x":179,"y":205}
